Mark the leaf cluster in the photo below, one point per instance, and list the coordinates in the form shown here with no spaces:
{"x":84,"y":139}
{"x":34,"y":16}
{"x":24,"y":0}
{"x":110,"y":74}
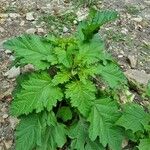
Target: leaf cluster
{"x":69,"y":100}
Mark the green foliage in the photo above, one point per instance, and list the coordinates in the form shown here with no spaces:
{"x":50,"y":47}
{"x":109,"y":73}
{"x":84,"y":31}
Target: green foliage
{"x":71,"y":100}
{"x":144,"y":144}
{"x":134,"y":118}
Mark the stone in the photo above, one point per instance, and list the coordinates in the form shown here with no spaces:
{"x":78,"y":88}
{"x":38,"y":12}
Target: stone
{"x":2,"y":29}
{"x":137,"y":19}
{"x":8,"y":144}
{"x":14,"y":15}
{"x":31,"y":31}
{"x":139,"y":76}
{"x":132,"y":60}
{"x":27,"y":68}
{"x":22,"y":23}
{"x":65,"y":29}
{"x":13,"y":122}
{"x":8,"y":51}
{"x":40,"y":30}
{"x":29,"y":16}
{"x":5,"y":116}
{"x":13,"y":72}
{"x":82,"y":14}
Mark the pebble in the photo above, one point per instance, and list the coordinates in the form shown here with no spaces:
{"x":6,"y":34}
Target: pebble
{"x":8,"y":144}
{"x":14,"y":15}
{"x":27,"y":68}
{"x":8,"y":51}
{"x":138,"y":19}
{"x":2,"y":29}
{"x":132,"y":60}
{"x":65,"y":29}
{"x":31,"y":31}
{"x":22,"y":23}
{"x":40,"y":30}
{"x":5,"y":116}
{"x":13,"y":122}
{"x":13,"y":72}
{"x":29,"y":16}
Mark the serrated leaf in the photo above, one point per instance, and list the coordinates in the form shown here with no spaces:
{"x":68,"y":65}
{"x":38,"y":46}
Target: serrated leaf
{"x":81,"y":95}
{"x":80,"y":140}
{"x":37,"y":93}
{"x":55,"y":133}
{"x":87,"y":28}
{"x":31,"y":49}
{"x":86,"y":72}
{"x":64,"y":113}
{"x":112,"y":75}
{"x":62,"y":56}
{"x":102,"y":117}
{"x":134,"y":118}
{"x":91,"y":52}
{"x":144,"y":144}
{"x":29,"y":132}
{"x":61,"y":77}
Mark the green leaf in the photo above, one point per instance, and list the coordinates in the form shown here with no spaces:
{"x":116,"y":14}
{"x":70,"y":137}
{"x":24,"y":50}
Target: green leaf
{"x":134,"y":118}
{"x":86,"y":72}
{"x":64,"y":113}
{"x":102,"y":117}
{"x":80,"y":140}
{"x":81,"y":95}
{"x":37,"y":93}
{"x":53,"y":138}
{"x":91,"y":52}
{"x":61,"y":77}
{"x":111,"y":74}
{"x":87,"y":28}
{"x":31,"y":49}
{"x":144,"y":144}
{"x":148,"y":89}
{"x":62,"y":56}
{"x":29,"y":132}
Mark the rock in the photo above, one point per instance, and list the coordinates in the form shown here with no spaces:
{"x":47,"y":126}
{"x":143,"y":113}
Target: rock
{"x":2,"y":29}
{"x":27,"y":68}
{"x":13,"y":122}
{"x":22,"y":23}
{"x":29,"y":16}
{"x":5,"y":116}
{"x":132,"y":60}
{"x":14,"y":15}
{"x":65,"y":29}
{"x":31,"y":31}
{"x":8,"y":144}
{"x":139,"y":76}
{"x":13,"y":72}
{"x":8,"y":51}
{"x":120,"y":56}
{"x":138,"y":19}
{"x":82,"y":14}
{"x":124,"y":31}
{"x":40,"y":30}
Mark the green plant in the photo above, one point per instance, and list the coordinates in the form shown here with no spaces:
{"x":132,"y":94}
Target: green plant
{"x":71,"y":99}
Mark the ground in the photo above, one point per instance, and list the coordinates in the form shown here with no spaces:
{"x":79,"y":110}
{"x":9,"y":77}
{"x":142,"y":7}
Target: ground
{"x":127,"y":39}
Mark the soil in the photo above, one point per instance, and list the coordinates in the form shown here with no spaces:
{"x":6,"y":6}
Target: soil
{"x":127,"y":39}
